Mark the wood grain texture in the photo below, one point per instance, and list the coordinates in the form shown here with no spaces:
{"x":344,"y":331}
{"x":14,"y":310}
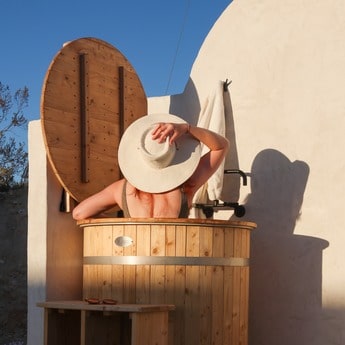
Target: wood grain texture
{"x":211,"y":301}
{"x":107,"y":96}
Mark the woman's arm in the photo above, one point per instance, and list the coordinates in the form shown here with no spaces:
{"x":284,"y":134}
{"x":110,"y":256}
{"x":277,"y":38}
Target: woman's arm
{"x":210,"y":162}
{"x":99,"y":202}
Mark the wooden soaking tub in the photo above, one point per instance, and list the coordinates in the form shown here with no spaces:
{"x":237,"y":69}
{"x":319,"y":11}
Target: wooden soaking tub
{"x":200,"y":266}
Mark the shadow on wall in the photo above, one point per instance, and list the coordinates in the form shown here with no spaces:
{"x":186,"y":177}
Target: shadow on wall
{"x":286,"y":269}
{"x":187,"y":104}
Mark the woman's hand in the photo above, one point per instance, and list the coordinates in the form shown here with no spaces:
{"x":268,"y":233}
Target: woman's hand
{"x":171,"y":130}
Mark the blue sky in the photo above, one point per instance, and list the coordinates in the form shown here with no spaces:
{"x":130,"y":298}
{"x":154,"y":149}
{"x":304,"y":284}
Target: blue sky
{"x":148,"y":33}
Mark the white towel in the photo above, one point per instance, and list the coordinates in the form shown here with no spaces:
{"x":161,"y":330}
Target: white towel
{"x":212,"y":117}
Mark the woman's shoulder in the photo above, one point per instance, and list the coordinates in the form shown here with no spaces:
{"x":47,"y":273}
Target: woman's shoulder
{"x":116,"y":189}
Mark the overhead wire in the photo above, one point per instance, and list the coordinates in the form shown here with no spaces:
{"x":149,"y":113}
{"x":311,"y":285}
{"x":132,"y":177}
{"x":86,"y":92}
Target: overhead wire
{"x":178,"y":45}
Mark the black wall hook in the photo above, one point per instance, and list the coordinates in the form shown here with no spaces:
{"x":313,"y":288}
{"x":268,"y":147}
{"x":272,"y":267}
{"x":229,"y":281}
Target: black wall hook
{"x":226,"y":84}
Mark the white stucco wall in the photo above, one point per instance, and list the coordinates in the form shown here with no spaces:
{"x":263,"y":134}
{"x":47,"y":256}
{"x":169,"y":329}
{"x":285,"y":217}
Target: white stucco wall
{"x":54,"y":241}
{"x":37,"y":235}
{"x":286,"y":63}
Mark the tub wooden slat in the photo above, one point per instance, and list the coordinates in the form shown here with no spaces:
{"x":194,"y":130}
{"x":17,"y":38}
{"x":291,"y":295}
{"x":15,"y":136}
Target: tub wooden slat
{"x":228,"y":288}
{"x":157,"y":281}
{"x":143,"y":271}
{"x":206,"y":250}
{"x":180,"y":287}
{"x":218,"y":288}
{"x":117,"y":271}
{"x":129,"y":272}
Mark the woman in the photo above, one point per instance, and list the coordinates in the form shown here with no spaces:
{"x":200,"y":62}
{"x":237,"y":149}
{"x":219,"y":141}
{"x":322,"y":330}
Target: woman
{"x":159,"y":156}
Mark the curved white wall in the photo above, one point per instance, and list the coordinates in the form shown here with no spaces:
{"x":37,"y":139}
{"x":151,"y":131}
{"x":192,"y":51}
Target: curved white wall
{"x":286,"y":60}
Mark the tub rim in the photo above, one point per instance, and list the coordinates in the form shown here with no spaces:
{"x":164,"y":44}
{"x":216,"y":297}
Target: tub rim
{"x":239,"y":224}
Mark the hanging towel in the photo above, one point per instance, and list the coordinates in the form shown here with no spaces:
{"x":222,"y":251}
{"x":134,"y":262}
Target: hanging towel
{"x":212,"y":117}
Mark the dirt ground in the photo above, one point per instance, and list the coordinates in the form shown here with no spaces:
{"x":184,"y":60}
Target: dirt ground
{"x":13,"y":267}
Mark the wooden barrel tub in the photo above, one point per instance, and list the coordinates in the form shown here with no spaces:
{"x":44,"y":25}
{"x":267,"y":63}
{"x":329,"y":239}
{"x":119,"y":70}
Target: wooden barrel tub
{"x":200,"y":266}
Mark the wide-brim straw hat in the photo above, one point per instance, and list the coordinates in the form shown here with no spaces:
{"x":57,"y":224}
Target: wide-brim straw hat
{"x":156,"y":167}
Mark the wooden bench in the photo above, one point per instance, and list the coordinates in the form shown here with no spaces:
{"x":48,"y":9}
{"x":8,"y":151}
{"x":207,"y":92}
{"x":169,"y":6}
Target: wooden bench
{"x":78,"y":322}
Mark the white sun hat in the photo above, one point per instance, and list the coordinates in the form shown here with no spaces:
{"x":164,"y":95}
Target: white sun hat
{"x":156,"y":167}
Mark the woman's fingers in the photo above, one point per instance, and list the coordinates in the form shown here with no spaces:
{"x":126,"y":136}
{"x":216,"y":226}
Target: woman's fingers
{"x":156,"y":130}
{"x":162,"y":131}
{"x":173,"y":137}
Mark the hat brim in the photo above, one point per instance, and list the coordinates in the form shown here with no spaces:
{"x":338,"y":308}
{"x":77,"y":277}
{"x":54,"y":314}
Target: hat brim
{"x":143,"y":176}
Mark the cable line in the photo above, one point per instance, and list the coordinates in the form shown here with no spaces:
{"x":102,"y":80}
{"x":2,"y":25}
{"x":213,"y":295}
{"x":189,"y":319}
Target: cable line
{"x":178,"y":46}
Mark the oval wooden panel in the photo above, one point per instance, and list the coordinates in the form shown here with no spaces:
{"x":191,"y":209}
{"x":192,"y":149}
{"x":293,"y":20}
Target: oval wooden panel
{"x":91,"y":94}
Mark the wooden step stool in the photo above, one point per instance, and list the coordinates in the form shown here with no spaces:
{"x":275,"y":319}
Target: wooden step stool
{"x":78,"y":322}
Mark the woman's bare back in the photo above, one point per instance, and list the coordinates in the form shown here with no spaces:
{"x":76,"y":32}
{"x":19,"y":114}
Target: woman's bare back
{"x":147,"y":205}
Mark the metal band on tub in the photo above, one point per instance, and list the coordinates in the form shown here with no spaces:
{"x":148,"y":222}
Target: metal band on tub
{"x":165,"y":260}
